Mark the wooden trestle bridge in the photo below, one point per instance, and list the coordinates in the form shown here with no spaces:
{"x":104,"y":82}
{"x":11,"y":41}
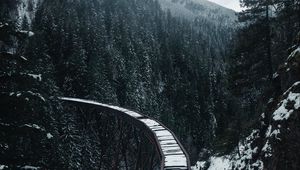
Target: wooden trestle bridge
{"x":172,"y":154}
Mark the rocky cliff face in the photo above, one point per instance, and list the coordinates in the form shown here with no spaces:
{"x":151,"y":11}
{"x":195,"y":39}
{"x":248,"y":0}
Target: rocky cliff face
{"x":274,"y":142}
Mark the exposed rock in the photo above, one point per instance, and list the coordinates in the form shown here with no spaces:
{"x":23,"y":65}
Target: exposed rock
{"x":289,"y":72}
{"x":275,"y":143}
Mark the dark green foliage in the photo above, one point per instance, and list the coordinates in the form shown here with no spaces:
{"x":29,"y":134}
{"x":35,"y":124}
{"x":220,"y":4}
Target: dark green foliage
{"x":259,"y":48}
{"x":132,"y":54}
{"x":128,"y":53}
{"x":26,"y":110}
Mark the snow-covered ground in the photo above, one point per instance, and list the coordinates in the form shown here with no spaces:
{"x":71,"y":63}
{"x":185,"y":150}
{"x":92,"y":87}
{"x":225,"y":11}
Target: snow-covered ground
{"x":216,"y":163}
{"x":249,"y":149}
{"x":283,"y":112}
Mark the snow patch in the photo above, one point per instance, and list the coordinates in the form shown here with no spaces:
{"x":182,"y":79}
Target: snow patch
{"x":270,"y":100}
{"x":288,"y":90}
{"x":3,"y":167}
{"x":3,"y":24}
{"x":36,"y":76}
{"x":37,"y":95}
{"x":275,"y":75}
{"x":267,"y":149}
{"x":259,"y":165}
{"x":199,"y":165}
{"x":49,"y":135}
{"x":28,"y":33}
{"x":275,"y":133}
{"x":216,"y":163}
{"x":246,"y":152}
{"x":19,"y":94}
{"x":22,"y":57}
{"x":268,"y":132}
{"x":34,"y":126}
{"x":294,"y":53}
{"x":219,"y":163}
{"x":28,"y":167}
{"x":282,"y":113}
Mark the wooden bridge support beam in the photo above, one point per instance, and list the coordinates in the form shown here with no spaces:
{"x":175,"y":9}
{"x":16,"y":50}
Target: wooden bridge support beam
{"x":170,"y":152}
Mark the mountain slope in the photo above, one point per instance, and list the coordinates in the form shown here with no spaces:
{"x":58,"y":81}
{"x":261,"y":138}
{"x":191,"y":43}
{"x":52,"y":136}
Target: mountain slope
{"x":128,"y":53}
{"x":274,"y":141}
{"x":196,"y":9}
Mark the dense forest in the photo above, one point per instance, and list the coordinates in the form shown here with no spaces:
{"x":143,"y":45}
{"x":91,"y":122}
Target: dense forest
{"x":209,"y":74}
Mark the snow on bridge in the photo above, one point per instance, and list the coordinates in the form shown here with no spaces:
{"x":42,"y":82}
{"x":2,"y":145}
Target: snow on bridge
{"x":173,"y":156}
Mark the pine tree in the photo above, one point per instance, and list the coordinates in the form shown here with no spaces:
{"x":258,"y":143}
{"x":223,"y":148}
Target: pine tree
{"x":260,"y":12}
{"x":26,"y":135}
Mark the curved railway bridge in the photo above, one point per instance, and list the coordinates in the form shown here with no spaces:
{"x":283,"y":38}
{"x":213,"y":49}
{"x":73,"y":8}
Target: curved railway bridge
{"x":172,"y":154}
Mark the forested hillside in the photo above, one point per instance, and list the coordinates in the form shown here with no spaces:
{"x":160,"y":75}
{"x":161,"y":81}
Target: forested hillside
{"x":200,"y":10}
{"x":127,"y":53}
{"x":263,"y":73}
{"x":186,"y":63}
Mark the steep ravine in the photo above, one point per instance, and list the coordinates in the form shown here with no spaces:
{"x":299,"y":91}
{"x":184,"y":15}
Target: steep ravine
{"x":123,"y":52}
{"x":272,"y":144}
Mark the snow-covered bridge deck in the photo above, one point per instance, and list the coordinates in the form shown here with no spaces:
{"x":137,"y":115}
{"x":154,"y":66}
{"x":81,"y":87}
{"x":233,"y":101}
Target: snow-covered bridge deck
{"x":172,"y":154}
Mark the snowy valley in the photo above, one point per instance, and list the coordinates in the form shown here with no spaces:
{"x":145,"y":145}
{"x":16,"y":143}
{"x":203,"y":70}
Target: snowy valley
{"x":204,"y":87}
